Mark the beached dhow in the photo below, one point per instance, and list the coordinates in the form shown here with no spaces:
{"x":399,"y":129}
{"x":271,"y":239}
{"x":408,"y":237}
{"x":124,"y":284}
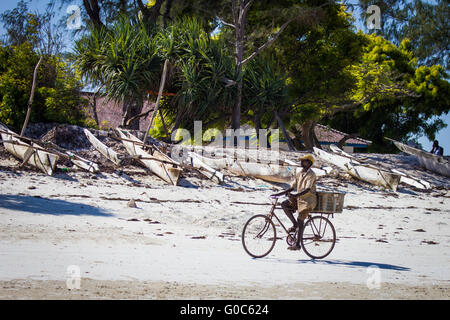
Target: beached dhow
{"x":109,"y":153}
{"x":432,"y":162}
{"x":371,"y":174}
{"x":28,"y":153}
{"x":158,"y":163}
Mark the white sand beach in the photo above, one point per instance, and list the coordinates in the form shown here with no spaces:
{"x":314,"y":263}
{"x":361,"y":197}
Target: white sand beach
{"x":183,"y":242}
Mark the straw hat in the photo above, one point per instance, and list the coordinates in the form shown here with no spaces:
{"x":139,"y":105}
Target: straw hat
{"x":309,"y":157}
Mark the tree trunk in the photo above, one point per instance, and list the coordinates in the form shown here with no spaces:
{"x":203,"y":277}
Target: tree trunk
{"x":136,"y":108}
{"x":308,"y":139}
{"x":93,"y":104}
{"x":93,"y":10}
{"x":285,"y":133}
{"x":166,"y":14}
{"x":239,"y":22}
{"x":344,"y":139}
{"x":127,"y":112}
{"x":30,"y":101}
{"x":313,"y":134}
{"x":257,"y":123}
{"x":161,"y":88}
{"x":150,"y":14}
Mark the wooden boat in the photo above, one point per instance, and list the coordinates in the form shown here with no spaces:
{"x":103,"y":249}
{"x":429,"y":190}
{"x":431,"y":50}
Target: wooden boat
{"x":109,"y":153}
{"x":404,"y":177}
{"x":29,"y":153}
{"x":371,"y":174}
{"x":318,"y":171}
{"x":194,"y":160}
{"x":264,"y":171}
{"x":432,"y":162}
{"x":83,"y":163}
{"x":158,"y":163}
{"x":267,"y":172}
{"x":215,"y":163}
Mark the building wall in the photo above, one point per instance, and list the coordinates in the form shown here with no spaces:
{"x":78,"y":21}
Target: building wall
{"x":109,"y":113}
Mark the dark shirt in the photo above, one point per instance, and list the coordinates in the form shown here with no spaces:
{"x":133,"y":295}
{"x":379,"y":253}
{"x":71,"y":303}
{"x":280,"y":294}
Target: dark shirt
{"x":438,"y":150}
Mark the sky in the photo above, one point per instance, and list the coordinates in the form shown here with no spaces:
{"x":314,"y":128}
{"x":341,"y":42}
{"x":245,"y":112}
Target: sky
{"x":442,"y":136}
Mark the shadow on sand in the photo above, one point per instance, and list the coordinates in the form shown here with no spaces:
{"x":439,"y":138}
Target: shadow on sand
{"x":49,"y":206}
{"x":344,"y":263}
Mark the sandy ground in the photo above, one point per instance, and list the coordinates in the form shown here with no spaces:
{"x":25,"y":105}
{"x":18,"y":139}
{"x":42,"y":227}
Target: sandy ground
{"x":73,"y":236}
{"x":123,"y":289}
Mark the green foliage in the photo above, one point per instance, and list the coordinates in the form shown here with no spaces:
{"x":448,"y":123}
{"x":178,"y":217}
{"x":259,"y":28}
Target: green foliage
{"x":57,"y":96}
{"x":425,"y":23}
{"x":124,"y":60}
{"x":200,"y":68}
{"x":316,"y":57}
{"x":157,"y":130}
{"x":393,"y":96}
{"x":265,"y":91}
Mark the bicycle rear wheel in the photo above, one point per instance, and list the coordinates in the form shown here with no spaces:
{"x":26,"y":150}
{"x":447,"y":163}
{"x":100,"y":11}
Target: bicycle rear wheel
{"x":319,"y":237}
{"x":259,"y":236}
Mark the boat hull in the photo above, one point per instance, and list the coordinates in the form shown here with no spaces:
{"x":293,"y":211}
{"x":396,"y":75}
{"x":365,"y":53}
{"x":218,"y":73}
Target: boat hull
{"x":103,"y":149}
{"x":45,"y":161}
{"x":263,"y":171}
{"x":432,"y":162}
{"x":369,"y":174}
{"x":165,"y":171}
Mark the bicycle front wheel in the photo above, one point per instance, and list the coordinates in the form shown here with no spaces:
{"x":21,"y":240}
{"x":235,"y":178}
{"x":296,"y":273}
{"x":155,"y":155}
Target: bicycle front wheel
{"x":259,"y":236}
{"x":319,"y":237}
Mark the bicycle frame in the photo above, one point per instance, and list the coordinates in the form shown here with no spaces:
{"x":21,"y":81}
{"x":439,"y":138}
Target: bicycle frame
{"x":313,"y":233}
{"x":272,"y":214}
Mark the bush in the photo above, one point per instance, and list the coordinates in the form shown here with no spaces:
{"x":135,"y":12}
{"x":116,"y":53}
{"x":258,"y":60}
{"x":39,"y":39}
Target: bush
{"x":57,"y":95}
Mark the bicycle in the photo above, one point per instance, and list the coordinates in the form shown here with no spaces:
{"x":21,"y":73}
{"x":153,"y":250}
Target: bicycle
{"x":318,"y":239}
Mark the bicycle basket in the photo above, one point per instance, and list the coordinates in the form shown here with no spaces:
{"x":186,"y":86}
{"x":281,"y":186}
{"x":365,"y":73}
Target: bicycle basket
{"x":329,"y":202}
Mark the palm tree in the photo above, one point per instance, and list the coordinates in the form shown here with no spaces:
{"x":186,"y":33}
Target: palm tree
{"x":265,"y":98}
{"x":200,"y":68}
{"x":124,"y":60}
{"x":127,"y":59}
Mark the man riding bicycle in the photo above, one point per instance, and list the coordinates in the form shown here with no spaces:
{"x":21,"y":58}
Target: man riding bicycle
{"x":304,"y":200}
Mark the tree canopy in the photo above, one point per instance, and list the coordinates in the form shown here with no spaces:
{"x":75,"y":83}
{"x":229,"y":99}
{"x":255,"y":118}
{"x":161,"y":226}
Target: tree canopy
{"x":57,"y":96}
{"x":286,"y":64}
